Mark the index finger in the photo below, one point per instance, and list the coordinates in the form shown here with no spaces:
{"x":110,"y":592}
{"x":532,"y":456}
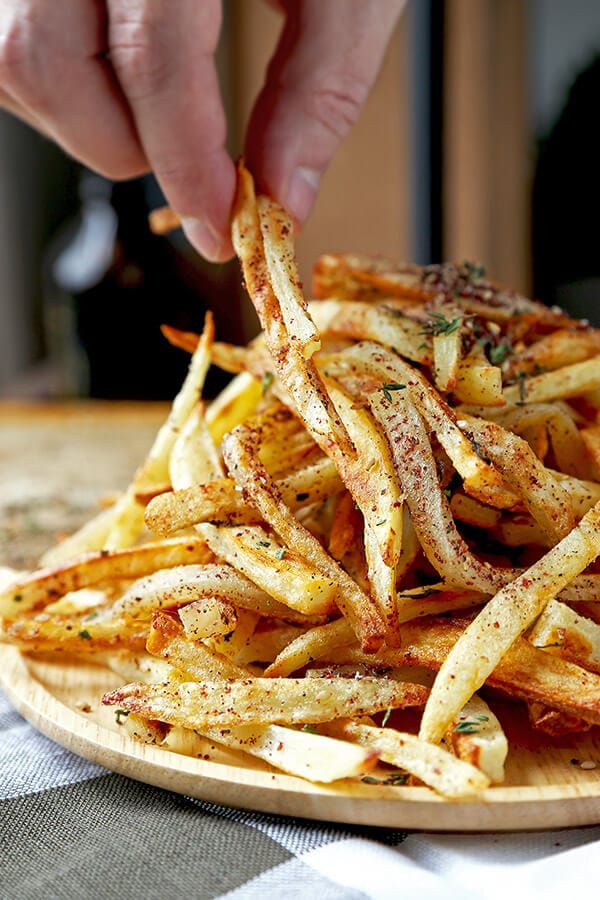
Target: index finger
{"x":165,"y":64}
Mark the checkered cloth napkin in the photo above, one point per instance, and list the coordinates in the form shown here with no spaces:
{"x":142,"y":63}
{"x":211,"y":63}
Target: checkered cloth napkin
{"x":70,"y":829}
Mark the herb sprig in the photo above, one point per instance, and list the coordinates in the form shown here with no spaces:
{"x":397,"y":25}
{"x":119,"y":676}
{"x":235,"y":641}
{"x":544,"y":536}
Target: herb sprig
{"x":439,"y":324}
{"x":387,"y":387}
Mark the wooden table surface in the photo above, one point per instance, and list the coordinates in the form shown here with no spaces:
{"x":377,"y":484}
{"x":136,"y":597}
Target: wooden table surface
{"x":57,"y":461}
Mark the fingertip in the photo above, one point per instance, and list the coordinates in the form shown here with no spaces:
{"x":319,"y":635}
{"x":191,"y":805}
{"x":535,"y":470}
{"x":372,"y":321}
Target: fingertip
{"x":299,"y":194}
{"x":212,"y":245}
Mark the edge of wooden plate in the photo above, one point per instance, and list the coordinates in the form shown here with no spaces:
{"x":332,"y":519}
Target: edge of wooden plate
{"x":498,"y":809}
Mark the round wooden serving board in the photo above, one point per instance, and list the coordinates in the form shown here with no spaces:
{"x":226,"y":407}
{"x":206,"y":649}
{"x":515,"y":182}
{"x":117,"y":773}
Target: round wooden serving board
{"x":545,"y":787}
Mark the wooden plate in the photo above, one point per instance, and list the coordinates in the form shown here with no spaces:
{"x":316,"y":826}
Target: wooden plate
{"x":545,"y":787}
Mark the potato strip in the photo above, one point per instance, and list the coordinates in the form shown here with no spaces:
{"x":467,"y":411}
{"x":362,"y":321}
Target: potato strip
{"x":239,"y":450}
{"x":502,"y":620}
{"x":292,"y":701}
{"x":37,"y":590}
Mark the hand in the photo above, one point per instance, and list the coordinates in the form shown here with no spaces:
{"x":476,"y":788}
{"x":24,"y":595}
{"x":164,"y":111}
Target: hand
{"x":129,"y":86}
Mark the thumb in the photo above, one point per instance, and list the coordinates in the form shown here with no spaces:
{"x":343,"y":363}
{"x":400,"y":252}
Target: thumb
{"x":324,"y":66}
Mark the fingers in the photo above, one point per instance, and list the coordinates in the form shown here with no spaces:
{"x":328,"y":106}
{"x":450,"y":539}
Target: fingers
{"x":54,"y":76}
{"x":125,"y":86}
{"x":165,"y":66}
{"x":324,"y":66}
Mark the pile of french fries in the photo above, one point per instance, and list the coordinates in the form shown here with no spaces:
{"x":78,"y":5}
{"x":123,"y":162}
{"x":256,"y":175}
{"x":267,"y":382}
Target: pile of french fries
{"x":387,"y":519}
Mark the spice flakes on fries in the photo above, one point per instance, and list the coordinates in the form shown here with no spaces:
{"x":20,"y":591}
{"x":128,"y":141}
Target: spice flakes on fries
{"x":390,"y":516}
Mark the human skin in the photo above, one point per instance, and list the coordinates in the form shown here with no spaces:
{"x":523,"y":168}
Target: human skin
{"x":130,"y":86}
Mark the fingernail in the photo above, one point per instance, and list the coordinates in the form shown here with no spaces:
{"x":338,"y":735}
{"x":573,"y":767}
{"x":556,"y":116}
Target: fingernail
{"x":204,"y":238}
{"x":302,"y":192}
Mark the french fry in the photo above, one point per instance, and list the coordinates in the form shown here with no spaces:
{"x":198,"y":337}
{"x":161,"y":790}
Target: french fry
{"x":476,"y":737}
{"x":285,"y":279}
{"x":180,"y":585}
{"x":360,"y":609}
{"x":524,"y":673}
{"x":64,"y":635}
{"x":568,"y":381}
{"x":447,"y":353}
{"x":502,"y":620}
{"x":208,"y":617}
{"x":311,"y":756}
{"x":448,"y":775}
{"x":279,"y":571}
{"x":291,"y":701}
{"x":564,"y":631}
{"x":477,"y":382}
{"x":194,"y":458}
{"x":367,"y":321}
{"x":38,"y":589}
{"x":163,"y":219}
{"x":167,"y":640}
{"x":128,"y":513}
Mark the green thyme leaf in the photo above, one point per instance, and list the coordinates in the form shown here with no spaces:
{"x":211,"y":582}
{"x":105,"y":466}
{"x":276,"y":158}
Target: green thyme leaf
{"x":470,"y":726}
{"x":499,"y":352}
{"x":85,"y":635}
{"x":475,"y":271}
{"x":439,"y":324}
{"x":522,"y":395}
{"x":267,"y":381}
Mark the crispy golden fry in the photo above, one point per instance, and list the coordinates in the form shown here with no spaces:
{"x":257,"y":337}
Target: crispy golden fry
{"x":314,"y":644}
{"x":503,"y":619}
{"x":292,"y":579}
{"x":239,"y":448}
{"x":167,"y":640}
{"x":280,"y":258}
{"x":163,"y":219}
{"x":553,"y":351}
{"x":373,"y":322}
{"x":221,"y":502}
{"x":208,"y":617}
{"x":37,"y":590}
{"x":311,"y":756}
{"x":355,"y":276}
{"x":128,"y":513}
{"x":543,"y":495}
{"x":291,"y":701}
{"x":559,"y":429}
{"x":447,"y":353}
{"x":74,"y":635}
{"x":435,"y":767}
{"x":525,"y":672}
{"x":233,"y":405}
{"x":568,"y":381}
{"x":477,"y":382}
{"x":194,"y":458}
{"x":440,"y":540}
{"x":476,"y":737}
{"x":564,"y":631}
{"x":179,"y":585}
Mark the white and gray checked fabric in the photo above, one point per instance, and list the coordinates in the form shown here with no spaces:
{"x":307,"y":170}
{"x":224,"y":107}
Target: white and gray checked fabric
{"x":71,"y":830}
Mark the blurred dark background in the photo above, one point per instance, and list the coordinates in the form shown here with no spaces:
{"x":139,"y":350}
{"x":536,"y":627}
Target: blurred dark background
{"x":478,"y":142}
